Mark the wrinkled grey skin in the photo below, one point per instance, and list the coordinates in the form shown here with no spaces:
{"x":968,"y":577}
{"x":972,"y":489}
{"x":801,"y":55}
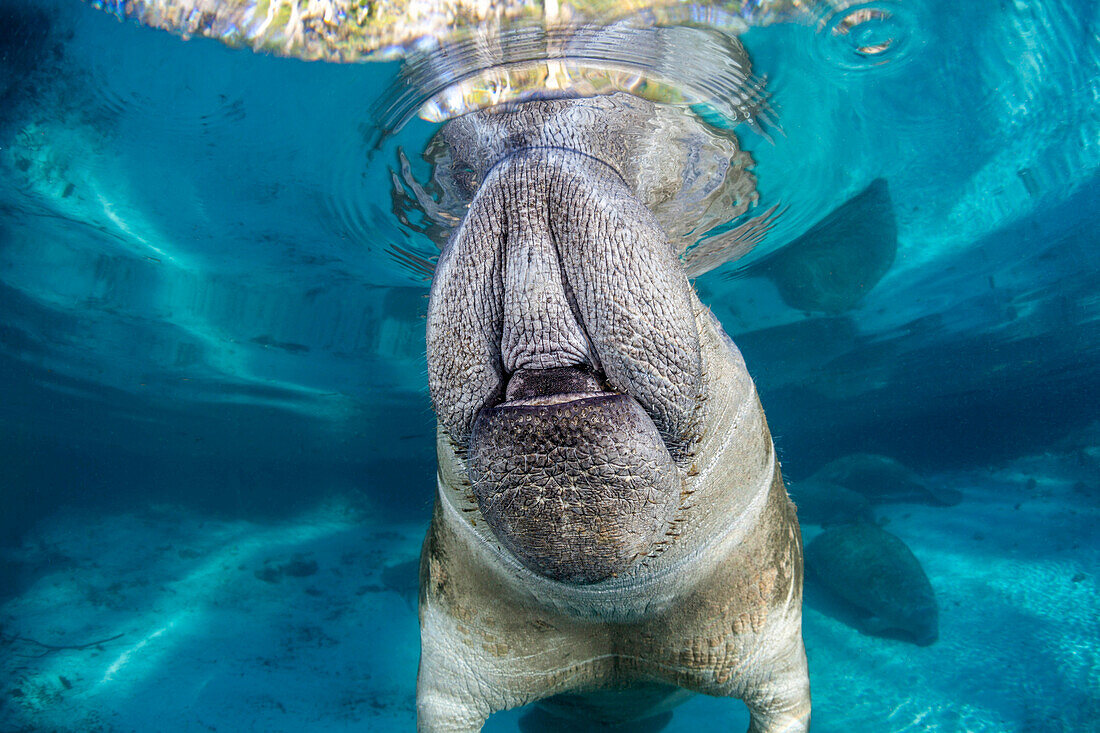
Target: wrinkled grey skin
{"x":611,"y":524}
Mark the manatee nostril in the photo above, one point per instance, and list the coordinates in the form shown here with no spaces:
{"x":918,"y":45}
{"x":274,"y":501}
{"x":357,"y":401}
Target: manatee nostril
{"x":526,"y":383}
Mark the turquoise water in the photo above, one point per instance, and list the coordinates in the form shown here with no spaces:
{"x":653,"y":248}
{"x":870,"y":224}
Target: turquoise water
{"x":218,"y":448}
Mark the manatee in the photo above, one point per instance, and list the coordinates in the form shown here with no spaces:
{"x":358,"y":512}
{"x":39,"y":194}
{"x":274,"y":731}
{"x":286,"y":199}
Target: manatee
{"x":824,"y":503}
{"x":876,"y":573}
{"x":611,"y":530}
{"x":837,"y":262}
{"x":883,"y":480}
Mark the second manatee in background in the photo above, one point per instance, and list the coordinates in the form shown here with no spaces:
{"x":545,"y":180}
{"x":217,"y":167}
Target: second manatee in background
{"x":883,"y":479}
{"x":876,"y":572}
{"x":825,"y":503}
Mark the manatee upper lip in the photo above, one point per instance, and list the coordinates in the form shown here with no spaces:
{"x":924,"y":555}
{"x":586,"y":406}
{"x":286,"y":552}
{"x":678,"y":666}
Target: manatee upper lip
{"x":551,"y":384}
{"x":542,"y":388}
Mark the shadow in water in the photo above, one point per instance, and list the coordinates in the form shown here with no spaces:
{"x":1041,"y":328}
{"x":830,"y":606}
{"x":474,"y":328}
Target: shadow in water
{"x":537,"y":720}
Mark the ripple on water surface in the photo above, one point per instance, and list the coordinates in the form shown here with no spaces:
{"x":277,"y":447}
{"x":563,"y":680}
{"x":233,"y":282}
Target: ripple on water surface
{"x":864,"y":36}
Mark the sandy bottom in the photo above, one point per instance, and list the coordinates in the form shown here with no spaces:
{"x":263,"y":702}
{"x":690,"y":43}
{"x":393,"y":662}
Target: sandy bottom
{"x":163,"y":620}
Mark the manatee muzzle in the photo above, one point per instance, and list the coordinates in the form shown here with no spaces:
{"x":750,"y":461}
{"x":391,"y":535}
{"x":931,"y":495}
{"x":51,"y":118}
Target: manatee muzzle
{"x":564,"y":359}
{"x":575,"y":481}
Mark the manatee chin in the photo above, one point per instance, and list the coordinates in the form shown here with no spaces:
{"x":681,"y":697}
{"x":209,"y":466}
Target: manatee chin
{"x":574,"y":480}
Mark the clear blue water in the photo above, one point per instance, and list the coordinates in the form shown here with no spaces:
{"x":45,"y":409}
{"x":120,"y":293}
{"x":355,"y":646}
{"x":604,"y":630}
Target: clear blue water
{"x":212,"y":370}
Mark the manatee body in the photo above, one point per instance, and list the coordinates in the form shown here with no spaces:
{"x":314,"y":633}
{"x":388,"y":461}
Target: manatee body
{"x":611,"y":530}
{"x":875,"y":572}
{"x":883,"y":480}
{"x":825,"y":503}
{"x":841,"y":258}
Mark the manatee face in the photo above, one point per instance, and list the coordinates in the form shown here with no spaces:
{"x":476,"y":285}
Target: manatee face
{"x":563,"y":355}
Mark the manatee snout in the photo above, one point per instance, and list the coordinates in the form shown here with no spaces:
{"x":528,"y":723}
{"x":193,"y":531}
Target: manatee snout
{"x":575,"y":481}
{"x":564,"y":358}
